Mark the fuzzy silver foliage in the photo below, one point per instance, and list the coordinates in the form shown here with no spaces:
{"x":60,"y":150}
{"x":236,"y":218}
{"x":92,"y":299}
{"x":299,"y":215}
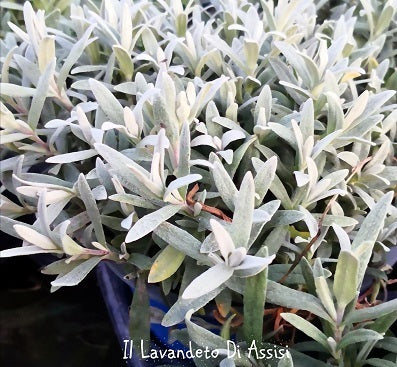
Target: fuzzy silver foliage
{"x":284,"y":115}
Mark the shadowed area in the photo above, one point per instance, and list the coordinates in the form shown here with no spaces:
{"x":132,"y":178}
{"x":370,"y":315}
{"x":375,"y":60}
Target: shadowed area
{"x":67,"y":328}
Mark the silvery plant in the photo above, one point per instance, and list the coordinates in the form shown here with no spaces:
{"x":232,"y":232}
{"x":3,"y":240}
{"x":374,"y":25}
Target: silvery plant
{"x":239,"y":154}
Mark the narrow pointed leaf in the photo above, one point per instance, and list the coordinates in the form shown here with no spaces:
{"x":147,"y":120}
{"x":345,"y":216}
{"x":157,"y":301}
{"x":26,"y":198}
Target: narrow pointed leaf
{"x":306,"y":327}
{"x":254,"y":305}
{"x":223,"y":239}
{"x":108,"y":102}
{"x":243,"y":212}
{"x":369,"y":231}
{"x":73,"y":56}
{"x":92,"y":208}
{"x":181,"y":240}
{"x":149,"y":222}
{"x":72,"y":156}
{"x":224,"y":184}
{"x":166,"y":264}
{"x":372,"y":313}
{"x":25,"y":250}
{"x":358,"y":336}
{"x":75,"y":276}
{"x":264,"y":177}
{"x":35,"y":238}
{"x":345,"y":280}
{"x":40,"y":95}
{"x":208,"y":281}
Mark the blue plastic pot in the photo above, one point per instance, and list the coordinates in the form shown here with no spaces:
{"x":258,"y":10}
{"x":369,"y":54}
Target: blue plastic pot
{"x":117,"y":293}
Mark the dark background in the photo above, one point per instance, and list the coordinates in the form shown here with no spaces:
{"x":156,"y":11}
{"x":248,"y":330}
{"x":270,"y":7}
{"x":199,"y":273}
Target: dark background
{"x":68,"y":328}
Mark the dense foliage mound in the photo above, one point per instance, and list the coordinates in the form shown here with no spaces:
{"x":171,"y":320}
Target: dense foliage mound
{"x":239,"y":153}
